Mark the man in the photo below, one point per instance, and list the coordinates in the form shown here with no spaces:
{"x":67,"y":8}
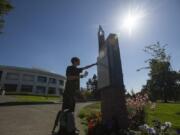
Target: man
{"x":72,"y":86}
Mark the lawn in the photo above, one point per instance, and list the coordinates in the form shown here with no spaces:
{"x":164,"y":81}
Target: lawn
{"x":163,"y":112}
{"x":34,"y":98}
{"x":89,"y":109}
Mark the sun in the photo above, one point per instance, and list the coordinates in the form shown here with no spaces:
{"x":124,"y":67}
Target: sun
{"x":132,"y":20}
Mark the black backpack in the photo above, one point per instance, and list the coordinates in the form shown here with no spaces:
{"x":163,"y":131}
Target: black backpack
{"x":61,"y":122}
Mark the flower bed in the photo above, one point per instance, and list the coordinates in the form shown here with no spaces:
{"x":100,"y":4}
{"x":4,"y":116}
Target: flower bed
{"x":91,"y":118}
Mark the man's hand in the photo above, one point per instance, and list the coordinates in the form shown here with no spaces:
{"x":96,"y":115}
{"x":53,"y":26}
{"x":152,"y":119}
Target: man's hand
{"x":84,"y":75}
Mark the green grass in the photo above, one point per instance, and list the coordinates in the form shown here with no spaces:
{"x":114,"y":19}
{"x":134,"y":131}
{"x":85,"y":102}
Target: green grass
{"x":89,"y":109}
{"x":86,"y":112}
{"x":163,"y":112}
{"x":34,"y":98}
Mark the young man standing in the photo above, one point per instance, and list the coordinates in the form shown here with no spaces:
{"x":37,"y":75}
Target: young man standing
{"x":72,"y":86}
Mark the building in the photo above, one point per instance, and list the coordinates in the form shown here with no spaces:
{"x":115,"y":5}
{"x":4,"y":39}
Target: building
{"x":30,"y":81}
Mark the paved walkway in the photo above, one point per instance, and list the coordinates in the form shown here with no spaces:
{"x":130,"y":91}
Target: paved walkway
{"x":31,"y":119}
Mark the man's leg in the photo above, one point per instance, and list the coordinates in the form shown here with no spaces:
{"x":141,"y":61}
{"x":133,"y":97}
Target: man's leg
{"x":71,"y":119}
{"x":69,"y":103}
{"x":71,"y":122}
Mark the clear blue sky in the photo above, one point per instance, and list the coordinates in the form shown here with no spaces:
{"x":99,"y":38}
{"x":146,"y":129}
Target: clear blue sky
{"x":47,"y":33}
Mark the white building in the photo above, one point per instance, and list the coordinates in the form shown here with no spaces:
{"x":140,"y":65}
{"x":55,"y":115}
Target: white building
{"x":31,"y":81}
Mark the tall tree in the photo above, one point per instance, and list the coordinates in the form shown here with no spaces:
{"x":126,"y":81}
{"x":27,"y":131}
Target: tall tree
{"x":162,"y":82}
{"x":5,"y":7}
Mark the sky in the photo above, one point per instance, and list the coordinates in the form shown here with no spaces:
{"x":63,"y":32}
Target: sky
{"x":48,"y":33}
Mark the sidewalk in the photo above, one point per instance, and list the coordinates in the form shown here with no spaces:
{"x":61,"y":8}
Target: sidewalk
{"x":33,"y":111}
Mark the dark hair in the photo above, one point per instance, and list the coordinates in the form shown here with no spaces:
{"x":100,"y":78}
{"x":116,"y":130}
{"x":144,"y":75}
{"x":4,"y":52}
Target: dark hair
{"x":74,"y":59}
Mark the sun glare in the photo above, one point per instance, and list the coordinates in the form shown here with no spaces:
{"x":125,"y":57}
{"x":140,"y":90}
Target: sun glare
{"x":132,"y":20}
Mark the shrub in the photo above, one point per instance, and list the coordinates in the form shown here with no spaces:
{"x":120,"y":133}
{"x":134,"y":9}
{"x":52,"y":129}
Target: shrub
{"x":136,"y":105}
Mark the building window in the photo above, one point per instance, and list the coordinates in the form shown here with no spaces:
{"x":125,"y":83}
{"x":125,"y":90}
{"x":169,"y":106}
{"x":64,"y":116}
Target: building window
{"x":12,"y":76}
{"x":26,"y":88}
{"x":40,"y":90}
{"x":1,"y":72}
{"x":42,"y":79}
{"x":10,"y":87}
{"x":28,"y":78}
{"x":51,"y":90}
{"x":61,"y":91}
{"x":61,"y":82}
{"x":52,"y":80}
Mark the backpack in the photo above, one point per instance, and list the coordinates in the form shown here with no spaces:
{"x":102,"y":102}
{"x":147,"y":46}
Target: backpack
{"x":62,"y":122}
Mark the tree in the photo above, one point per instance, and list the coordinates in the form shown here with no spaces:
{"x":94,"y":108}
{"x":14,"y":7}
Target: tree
{"x":5,"y":7}
{"x":92,"y":86}
{"x":88,"y":84}
{"x":95,"y":91}
{"x":162,"y":83}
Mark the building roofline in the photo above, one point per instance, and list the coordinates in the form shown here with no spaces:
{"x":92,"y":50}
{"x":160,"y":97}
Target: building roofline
{"x":34,"y":70}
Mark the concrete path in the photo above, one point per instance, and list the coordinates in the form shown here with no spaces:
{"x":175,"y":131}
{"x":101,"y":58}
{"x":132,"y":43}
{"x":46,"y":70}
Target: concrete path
{"x":31,"y":119}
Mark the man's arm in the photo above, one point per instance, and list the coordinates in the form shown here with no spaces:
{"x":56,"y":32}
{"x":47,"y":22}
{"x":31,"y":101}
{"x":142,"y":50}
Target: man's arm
{"x":75,"y":77}
{"x":89,"y":66}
